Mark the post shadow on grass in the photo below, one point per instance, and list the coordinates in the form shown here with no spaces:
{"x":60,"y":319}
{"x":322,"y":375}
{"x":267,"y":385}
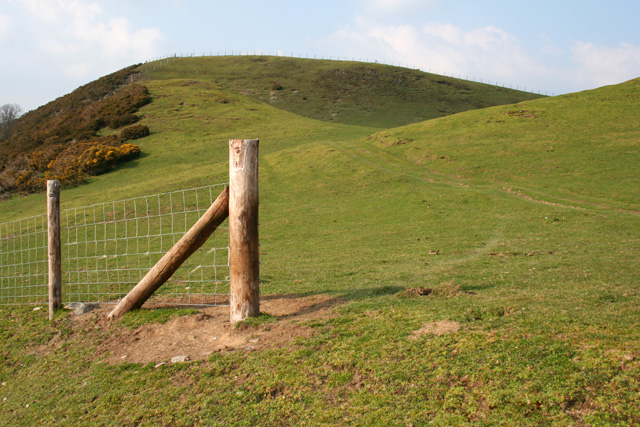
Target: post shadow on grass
{"x":477,"y":287}
{"x":339,"y":297}
{"x":154,"y":314}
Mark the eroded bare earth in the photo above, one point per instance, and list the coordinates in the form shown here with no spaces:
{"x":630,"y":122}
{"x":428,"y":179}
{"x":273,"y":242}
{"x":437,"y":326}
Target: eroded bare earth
{"x":198,"y":336}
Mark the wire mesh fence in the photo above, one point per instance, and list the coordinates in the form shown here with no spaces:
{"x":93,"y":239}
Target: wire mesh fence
{"x":108,"y":248}
{"x":23,"y":261}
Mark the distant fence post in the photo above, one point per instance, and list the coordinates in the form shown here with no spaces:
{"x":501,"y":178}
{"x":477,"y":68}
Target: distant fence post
{"x":244,"y":264}
{"x":53,"y":244}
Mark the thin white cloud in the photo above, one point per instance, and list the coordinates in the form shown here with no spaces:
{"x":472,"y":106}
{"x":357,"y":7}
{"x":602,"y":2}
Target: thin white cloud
{"x":549,"y":47}
{"x":384,"y":8}
{"x":603,"y":65}
{"x":77,"y":69}
{"x":114,"y":38}
{"x":57,"y":12}
{"x":489,"y":51}
{"x":5,"y":26}
{"x":83,"y":40}
{"x":481,"y":53}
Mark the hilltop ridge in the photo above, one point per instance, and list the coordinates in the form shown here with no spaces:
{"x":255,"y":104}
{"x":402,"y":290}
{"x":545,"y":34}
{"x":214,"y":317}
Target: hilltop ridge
{"x":346,"y":92}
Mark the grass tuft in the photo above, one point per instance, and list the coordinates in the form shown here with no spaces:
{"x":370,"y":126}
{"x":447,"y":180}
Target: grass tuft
{"x":260,"y":320}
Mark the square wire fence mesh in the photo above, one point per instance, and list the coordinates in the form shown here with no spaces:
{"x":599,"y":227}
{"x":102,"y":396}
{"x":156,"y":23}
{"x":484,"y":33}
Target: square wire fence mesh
{"x":108,"y":248}
{"x":23,"y":261}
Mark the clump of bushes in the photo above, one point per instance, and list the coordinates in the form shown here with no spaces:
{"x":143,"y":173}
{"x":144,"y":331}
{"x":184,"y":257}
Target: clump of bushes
{"x":115,"y":122}
{"x":72,"y":166}
{"x":29,"y":181}
{"x":134,"y":132}
{"x":60,"y":140}
{"x":99,"y":158}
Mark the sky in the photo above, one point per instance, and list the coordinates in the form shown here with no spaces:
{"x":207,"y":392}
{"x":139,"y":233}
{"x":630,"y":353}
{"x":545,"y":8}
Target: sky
{"x":48,"y":48}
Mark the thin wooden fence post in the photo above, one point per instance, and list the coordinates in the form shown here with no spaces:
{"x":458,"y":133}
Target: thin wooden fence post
{"x":53,"y":244}
{"x":244,"y":262}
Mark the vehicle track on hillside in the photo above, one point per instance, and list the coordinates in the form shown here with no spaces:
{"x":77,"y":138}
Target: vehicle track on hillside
{"x":389,"y":163}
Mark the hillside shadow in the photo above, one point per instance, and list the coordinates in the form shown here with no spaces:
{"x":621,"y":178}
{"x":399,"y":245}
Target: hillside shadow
{"x":131,"y":164}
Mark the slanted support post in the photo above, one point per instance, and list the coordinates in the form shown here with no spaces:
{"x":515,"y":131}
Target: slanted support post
{"x":244,"y":263}
{"x":173,"y":259}
{"x":53,"y":245}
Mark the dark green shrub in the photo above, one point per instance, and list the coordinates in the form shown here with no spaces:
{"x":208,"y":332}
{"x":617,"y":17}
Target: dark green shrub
{"x":126,"y":101}
{"x":115,"y":122}
{"x":134,"y":132}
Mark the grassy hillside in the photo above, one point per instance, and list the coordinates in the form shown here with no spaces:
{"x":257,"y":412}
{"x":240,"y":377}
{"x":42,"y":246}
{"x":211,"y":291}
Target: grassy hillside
{"x":343,"y":92}
{"x":535,"y":271}
{"x":579,"y":149}
{"x":60,"y":140}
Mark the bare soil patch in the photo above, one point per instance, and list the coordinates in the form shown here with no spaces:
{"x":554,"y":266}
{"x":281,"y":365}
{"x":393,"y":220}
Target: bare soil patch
{"x":198,"y":336}
{"x":443,"y":327}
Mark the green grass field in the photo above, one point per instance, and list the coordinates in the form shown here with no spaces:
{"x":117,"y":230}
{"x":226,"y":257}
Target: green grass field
{"x":533,"y":210}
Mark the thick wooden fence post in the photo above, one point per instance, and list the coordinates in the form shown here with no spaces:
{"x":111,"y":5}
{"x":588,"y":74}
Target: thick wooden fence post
{"x":53,"y":244}
{"x":244,"y":262}
{"x":169,"y":263}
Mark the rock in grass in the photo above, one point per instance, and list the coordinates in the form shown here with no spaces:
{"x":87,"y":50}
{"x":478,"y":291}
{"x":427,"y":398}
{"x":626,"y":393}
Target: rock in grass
{"x":79,"y":307}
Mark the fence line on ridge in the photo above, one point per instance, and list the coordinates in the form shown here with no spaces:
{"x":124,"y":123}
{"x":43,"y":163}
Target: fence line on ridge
{"x":163,"y":60}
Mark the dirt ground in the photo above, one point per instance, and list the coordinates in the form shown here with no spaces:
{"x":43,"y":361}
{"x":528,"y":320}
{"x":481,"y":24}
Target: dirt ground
{"x":443,"y":327}
{"x":198,"y":336}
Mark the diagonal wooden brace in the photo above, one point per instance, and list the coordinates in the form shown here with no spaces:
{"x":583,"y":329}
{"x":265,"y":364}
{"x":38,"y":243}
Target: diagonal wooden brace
{"x":169,"y":263}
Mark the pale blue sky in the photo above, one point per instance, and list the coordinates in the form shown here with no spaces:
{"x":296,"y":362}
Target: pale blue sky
{"x":50,"y":47}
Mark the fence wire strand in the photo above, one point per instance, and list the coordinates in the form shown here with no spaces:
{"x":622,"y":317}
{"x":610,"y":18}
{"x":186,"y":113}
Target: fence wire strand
{"x":107,"y":249}
{"x":23,"y":261}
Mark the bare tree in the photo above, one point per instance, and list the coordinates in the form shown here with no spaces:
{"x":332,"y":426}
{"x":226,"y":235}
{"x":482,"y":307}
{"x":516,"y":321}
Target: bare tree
{"x":8,"y":114}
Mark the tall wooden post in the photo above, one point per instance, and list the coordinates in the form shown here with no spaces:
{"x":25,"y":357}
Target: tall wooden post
{"x":244,"y":263}
{"x":53,"y":244}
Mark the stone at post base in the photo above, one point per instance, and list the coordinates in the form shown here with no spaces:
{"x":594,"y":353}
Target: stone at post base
{"x":79,"y":307}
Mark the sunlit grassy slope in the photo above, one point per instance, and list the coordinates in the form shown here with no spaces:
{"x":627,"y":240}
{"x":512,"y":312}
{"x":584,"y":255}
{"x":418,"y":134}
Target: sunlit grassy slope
{"x":532,"y":210}
{"x":342,"y":92}
{"x":576,"y":149}
{"x":191,"y":123}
